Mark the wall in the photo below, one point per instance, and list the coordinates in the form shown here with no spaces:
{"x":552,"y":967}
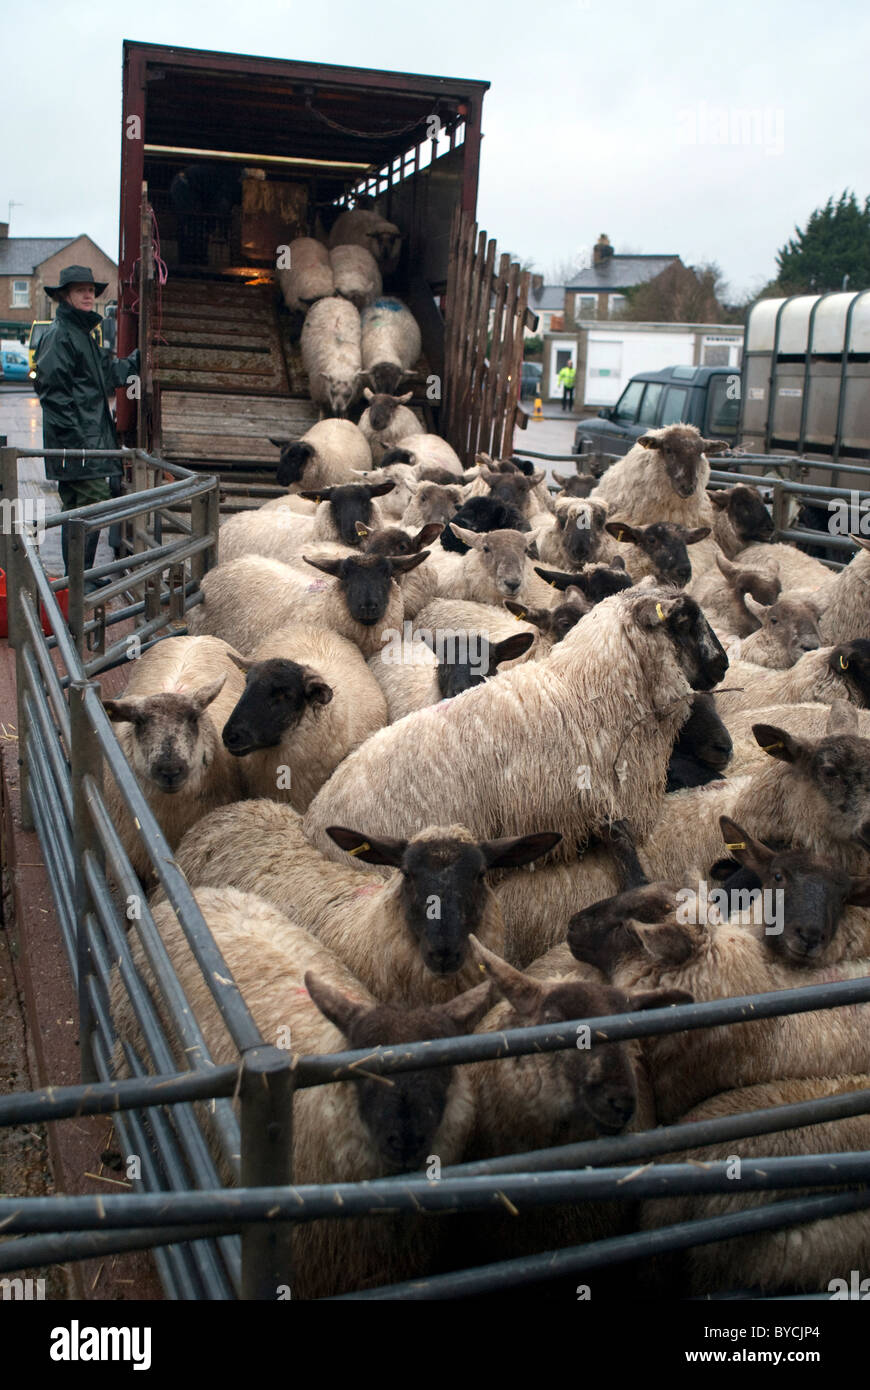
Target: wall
{"x":607,"y":355}
{"x":82,"y":251}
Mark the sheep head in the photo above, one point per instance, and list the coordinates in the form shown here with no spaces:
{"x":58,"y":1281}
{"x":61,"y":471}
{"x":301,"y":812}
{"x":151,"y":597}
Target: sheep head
{"x":173,"y":739}
{"x":683,"y":452}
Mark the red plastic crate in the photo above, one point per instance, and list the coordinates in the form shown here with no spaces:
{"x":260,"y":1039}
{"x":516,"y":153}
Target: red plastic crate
{"x":62,"y":597}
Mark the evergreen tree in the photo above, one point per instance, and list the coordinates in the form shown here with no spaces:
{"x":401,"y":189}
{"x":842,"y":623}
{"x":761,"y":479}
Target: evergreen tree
{"x":835,"y":243}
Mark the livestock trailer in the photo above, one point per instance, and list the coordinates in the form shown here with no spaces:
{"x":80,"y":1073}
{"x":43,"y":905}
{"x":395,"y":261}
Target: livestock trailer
{"x":287,"y":145}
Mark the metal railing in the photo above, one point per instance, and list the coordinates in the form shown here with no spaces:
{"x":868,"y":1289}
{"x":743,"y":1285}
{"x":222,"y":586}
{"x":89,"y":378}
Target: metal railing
{"x":212,"y":1242}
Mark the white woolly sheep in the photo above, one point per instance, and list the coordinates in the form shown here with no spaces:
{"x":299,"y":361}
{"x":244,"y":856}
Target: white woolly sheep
{"x":423,"y":451}
{"x":308,"y":277}
{"x":794,"y":568}
{"x":663,"y":477}
{"x":348,"y":1131}
{"x":789,"y":628}
{"x":739,"y":517}
{"x":804,"y":719}
{"x":356,"y":274}
{"x":329,"y":453}
{"x":819,"y":677}
{"x":387,"y":419}
{"x":725,"y":603}
{"x":309,"y":700}
{"x":440,"y":666}
{"x":498,"y":566}
{"x":841,"y":600}
{"x":391,"y":343}
{"x":496,"y":624}
{"x":365,"y":227}
{"x":177,"y":700}
{"x":331,"y":354}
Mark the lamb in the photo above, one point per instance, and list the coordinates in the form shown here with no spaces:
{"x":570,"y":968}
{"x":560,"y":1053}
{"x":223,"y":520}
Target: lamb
{"x":507,"y":754}
{"x":739,"y":517}
{"x":497,"y":567}
{"x":821,"y":676}
{"x":386,"y":420}
{"x":659,"y":549}
{"x":439,"y":666}
{"x":329,"y":453}
{"x":664,"y":475}
{"x":177,"y":700}
{"x":252,"y":596}
{"x":365,"y":227}
{"x":309,"y":700}
{"x":356,"y":274}
{"x":308,"y":277}
{"x":789,"y":628}
{"x":348,"y":1131}
{"x":384,"y":931}
{"x":425,"y":451}
{"x":639,"y":942}
{"x":391,"y":343}
{"x":725,"y":604}
{"x":814,"y":1257}
{"x":331,"y":354}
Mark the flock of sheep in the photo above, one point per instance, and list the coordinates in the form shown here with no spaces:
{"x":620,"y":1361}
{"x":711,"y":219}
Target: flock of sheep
{"x":445,"y":753}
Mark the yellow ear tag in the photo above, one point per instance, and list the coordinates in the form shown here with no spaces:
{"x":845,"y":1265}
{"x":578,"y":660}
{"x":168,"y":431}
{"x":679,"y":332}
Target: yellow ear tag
{"x":738,"y":844}
{"x":661,"y":612}
{"x":359,"y":849}
{"x":317,"y":501}
{"x":521,"y":615}
{"x":766,"y":747}
{"x":552,"y":584}
{"x":844,"y":665}
{"x":620,"y":536}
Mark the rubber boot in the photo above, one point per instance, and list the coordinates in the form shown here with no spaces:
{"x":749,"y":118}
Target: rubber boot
{"x":92,"y":540}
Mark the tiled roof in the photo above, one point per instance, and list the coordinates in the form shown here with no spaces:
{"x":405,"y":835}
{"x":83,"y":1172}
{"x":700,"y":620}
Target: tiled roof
{"x":20,"y":255}
{"x":549,"y":297}
{"x":621,"y":272}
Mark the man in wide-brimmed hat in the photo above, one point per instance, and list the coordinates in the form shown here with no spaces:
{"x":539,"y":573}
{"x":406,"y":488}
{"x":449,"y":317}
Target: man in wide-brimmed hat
{"x":74,"y":377}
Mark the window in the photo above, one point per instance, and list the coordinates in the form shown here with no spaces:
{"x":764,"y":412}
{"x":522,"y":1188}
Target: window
{"x":675,"y":405}
{"x":616,"y":304}
{"x":649,"y":409}
{"x":626,"y":407}
{"x":20,"y":294}
{"x":723,"y":405}
{"x":586,"y":306}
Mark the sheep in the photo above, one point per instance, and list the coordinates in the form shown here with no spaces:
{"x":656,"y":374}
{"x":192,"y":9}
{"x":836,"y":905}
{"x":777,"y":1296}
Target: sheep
{"x":391,"y":343}
{"x":308,"y":701}
{"x":577,"y":535}
{"x":507,"y":754}
{"x":663,"y":475}
{"x":805,"y":720}
{"x":439,"y":666}
{"x":724,"y":604}
{"x":384,"y":930}
{"x":275,"y":532}
{"x":789,"y":628}
{"x":309,"y":275}
{"x":252,"y":596}
{"x":808,"y":1259}
{"x":365,"y":227}
{"x":595,"y":582}
{"x":432,"y":502}
{"x":331,"y":355}
{"x":519,"y":489}
{"x":794,"y":568}
{"x":702,"y":749}
{"x":739,"y":517}
{"x":552,"y":623}
{"x":659,"y":549}
{"x":497,"y":567}
{"x":841,"y":600}
{"x":281,"y":534}
{"x":829,"y":673}
{"x":329,"y":453}
{"x":481,"y":514}
{"x":179,"y":696}
{"x":425,"y":451}
{"x":386,"y":420}
{"x":445,"y":615}
{"x":405,"y":483}
{"x":641,"y":940}
{"x":580,"y":485}
{"x":347,"y":1131}
{"x":356,"y":274}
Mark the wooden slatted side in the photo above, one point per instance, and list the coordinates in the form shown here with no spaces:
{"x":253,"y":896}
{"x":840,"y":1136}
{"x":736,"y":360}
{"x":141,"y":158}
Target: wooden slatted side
{"x":220,"y":337}
{"x":481,"y":388}
{"x":229,"y":433}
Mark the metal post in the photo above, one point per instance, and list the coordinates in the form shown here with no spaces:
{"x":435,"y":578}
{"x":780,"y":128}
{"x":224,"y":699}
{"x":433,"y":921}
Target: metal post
{"x":19,"y":580}
{"x":777,"y":508}
{"x":8,"y":492}
{"x":76,"y":578}
{"x":267,"y":1160}
{"x":86,"y":760}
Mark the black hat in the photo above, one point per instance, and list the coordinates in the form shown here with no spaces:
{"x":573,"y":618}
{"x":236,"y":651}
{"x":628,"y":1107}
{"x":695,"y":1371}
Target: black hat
{"x":75,"y":275}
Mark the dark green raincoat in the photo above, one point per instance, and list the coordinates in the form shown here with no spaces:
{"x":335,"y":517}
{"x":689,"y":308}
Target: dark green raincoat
{"x":73,"y":380}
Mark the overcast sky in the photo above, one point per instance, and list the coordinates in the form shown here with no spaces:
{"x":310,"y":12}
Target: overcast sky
{"x":705,"y":130}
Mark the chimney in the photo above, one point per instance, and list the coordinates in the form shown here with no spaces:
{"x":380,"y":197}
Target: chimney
{"x":537,"y":283}
{"x":602,"y":250}
{"x":4,"y":230}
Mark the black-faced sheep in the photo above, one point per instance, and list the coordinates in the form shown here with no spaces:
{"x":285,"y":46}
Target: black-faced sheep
{"x":365,"y":227}
{"x":329,"y":453}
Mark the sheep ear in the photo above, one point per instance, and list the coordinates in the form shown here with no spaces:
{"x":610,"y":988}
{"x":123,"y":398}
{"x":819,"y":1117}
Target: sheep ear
{"x":668,"y":944}
{"x":343,"y":1012}
{"x":489,"y":477}
{"x":368,"y":393}
{"x":468,"y":1009}
{"x":617,"y":562}
{"x":654,"y":612}
{"x":752,"y":854}
{"x":128,"y":711}
{"x":532,"y":549}
{"x":403,"y":400}
{"x":622,"y":532}
{"x":650,"y":441}
{"x":517,"y":850}
{"x":860,"y":540}
{"x":403,"y":563}
{"x":561,"y":479}
{"x":715,"y":446}
{"x":317,"y":692}
{"x":757,"y":610}
{"x":524,"y":615}
{"x":859,"y":892}
{"x":524,"y":994}
{"x":429,"y":533}
{"x":535,"y":478}
{"x":381,"y":489}
{"x":642,"y":1000}
{"x":719,"y":497}
{"x":364,"y":847}
{"x":700,"y":533}
{"x":362,"y":530}
{"x":470,"y":538}
{"x":203,"y":697}
{"x":244,"y":663}
{"x":725,"y":567}
{"x":279,"y":440}
{"x":556,"y":579}
{"x":778,"y":743}
{"x":509,"y":648}
{"x":327,"y":566}
{"x":843,"y":718}
{"x":573,"y":594}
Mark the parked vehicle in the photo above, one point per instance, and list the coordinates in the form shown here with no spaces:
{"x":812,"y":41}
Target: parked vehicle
{"x":530,"y":383}
{"x":13,"y":360}
{"x":37,"y":328}
{"x":708,"y":397}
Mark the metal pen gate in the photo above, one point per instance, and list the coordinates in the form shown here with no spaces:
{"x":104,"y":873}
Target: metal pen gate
{"x":216,"y":1243}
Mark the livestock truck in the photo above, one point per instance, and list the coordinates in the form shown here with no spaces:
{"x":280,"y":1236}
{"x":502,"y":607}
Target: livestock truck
{"x":269,"y":150}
